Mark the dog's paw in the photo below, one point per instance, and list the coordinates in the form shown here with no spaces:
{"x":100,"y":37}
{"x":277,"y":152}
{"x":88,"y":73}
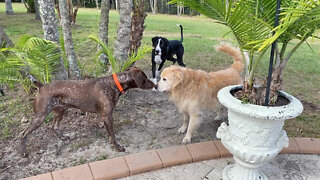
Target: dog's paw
{"x":182,"y":129}
{"x":186,"y":139}
{"x":120,"y":148}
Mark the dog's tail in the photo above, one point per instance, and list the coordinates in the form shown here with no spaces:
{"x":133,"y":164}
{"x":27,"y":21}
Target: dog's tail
{"x":35,"y":81}
{"x":181,"y":29}
{"x":235,"y":53}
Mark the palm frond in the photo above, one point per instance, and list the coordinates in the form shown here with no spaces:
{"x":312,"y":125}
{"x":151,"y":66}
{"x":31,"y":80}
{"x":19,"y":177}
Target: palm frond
{"x":106,"y":50}
{"x":33,"y":55}
{"x":142,"y":51}
{"x":9,"y":69}
{"x":115,"y":64}
{"x":303,"y":16}
{"x":246,"y":22}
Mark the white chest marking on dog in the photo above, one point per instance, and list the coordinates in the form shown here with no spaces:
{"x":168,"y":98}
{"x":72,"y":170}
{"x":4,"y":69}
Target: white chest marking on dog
{"x":157,"y":59}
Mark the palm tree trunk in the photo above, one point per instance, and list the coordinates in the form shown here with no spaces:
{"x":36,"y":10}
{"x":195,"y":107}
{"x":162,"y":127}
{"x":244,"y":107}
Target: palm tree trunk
{"x":121,"y":46}
{"x":137,"y":27}
{"x":36,"y":9}
{"x":50,"y":28}
{"x":74,"y":72}
{"x":9,"y":9}
{"x":103,"y":27}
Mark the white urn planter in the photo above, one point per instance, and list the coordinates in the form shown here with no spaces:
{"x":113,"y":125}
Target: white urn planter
{"x":254,"y":135}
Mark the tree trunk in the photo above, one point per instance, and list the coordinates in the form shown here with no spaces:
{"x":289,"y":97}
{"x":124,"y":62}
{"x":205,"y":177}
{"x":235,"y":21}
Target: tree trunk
{"x":155,"y":6}
{"x":50,"y":28}
{"x":72,"y":12}
{"x":73,"y":69}
{"x":75,"y":12}
{"x":97,"y":4}
{"x":137,"y":27}
{"x":9,"y":9}
{"x":121,"y":46}
{"x":117,"y":5}
{"x":103,"y":27}
{"x":179,"y":10}
{"x":152,"y":6}
{"x":5,"y":41}
{"x":36,"y":8}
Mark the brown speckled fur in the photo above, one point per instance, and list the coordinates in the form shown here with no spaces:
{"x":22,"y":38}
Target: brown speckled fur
{"x":98,"y":95}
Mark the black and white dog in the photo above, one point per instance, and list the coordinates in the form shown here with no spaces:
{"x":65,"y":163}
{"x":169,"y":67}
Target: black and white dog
{"x":165,"y":50}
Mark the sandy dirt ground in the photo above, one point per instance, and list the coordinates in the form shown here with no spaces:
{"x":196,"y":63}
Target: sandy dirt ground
{"x":144,"y":120}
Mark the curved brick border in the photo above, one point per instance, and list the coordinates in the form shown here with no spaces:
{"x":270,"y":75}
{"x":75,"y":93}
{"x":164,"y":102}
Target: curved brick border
{"x":155,"y":159}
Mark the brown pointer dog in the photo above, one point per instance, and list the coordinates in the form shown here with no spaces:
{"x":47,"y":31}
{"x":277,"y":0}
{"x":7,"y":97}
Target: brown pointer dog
{"x":98,"y":95}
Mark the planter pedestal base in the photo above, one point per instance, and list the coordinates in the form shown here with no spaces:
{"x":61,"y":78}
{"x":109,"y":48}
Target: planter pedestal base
{"x":254,"y":135}
{"x":243,"y":171}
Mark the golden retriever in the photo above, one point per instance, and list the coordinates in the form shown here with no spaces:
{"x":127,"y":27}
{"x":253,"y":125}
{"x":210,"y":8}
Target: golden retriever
{"x":194,"y":90}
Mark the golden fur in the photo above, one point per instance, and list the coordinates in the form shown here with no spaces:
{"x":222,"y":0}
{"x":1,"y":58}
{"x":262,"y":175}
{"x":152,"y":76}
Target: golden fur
{"x":196,"y":90}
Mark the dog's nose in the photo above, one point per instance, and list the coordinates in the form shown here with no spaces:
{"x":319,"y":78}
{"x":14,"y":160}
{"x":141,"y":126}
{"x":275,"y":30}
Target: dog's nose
{"x":157,"y":51}
{"x":156,"y":86}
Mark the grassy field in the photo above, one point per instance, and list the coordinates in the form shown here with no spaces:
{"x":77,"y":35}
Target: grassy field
{"x":301,"y":77}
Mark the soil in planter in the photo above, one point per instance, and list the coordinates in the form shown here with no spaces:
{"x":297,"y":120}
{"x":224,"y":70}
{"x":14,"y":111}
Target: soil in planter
{"x":247,"y":97}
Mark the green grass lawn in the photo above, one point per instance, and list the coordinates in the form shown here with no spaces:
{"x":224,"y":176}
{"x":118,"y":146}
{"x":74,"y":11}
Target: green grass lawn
{"x":301,"y":76}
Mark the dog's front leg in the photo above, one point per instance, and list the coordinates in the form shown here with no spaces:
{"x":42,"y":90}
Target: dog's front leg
{"x":108,"y":122}
{"x":154,"y":75}
{"x":194,"y":123}
{"x":184,"y":126}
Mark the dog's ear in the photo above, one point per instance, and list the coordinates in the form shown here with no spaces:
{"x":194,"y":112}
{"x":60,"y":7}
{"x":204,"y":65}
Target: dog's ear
{"x":154,"y":40}
{"x":178,"y":77}
{"x":131,"y":68}
{"x":138,"y":77}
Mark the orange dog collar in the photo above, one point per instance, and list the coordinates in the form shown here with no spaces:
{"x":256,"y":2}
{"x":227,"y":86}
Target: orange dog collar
{"x":116,"y":80}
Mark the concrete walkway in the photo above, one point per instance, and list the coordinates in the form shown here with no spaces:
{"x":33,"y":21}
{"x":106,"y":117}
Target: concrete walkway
{"x":283,"y":167}
{"x":204,"y":160}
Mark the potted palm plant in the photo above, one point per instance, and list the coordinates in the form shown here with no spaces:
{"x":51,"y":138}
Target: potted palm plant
{"x":254,"y":134}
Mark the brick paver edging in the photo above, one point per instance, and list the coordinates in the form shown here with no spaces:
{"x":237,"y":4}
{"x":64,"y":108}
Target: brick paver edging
{"x":155,"y":159}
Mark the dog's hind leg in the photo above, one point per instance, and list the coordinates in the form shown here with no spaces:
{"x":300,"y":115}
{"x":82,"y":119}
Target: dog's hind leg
{"x":180,"y":53}
{"x":39,"y":119}
{"x":174,"y":60}
{"x":43,"y":106}
{"x":59,"y":112}
{"x":184,"y":126}
{"x":194,"y":123}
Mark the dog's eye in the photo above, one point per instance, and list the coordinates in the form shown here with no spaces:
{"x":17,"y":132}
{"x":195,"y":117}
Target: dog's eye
{"x":164,"y":79}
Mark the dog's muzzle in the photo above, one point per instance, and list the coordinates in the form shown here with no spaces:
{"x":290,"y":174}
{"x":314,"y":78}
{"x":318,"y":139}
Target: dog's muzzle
{"x":157,"y":52}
